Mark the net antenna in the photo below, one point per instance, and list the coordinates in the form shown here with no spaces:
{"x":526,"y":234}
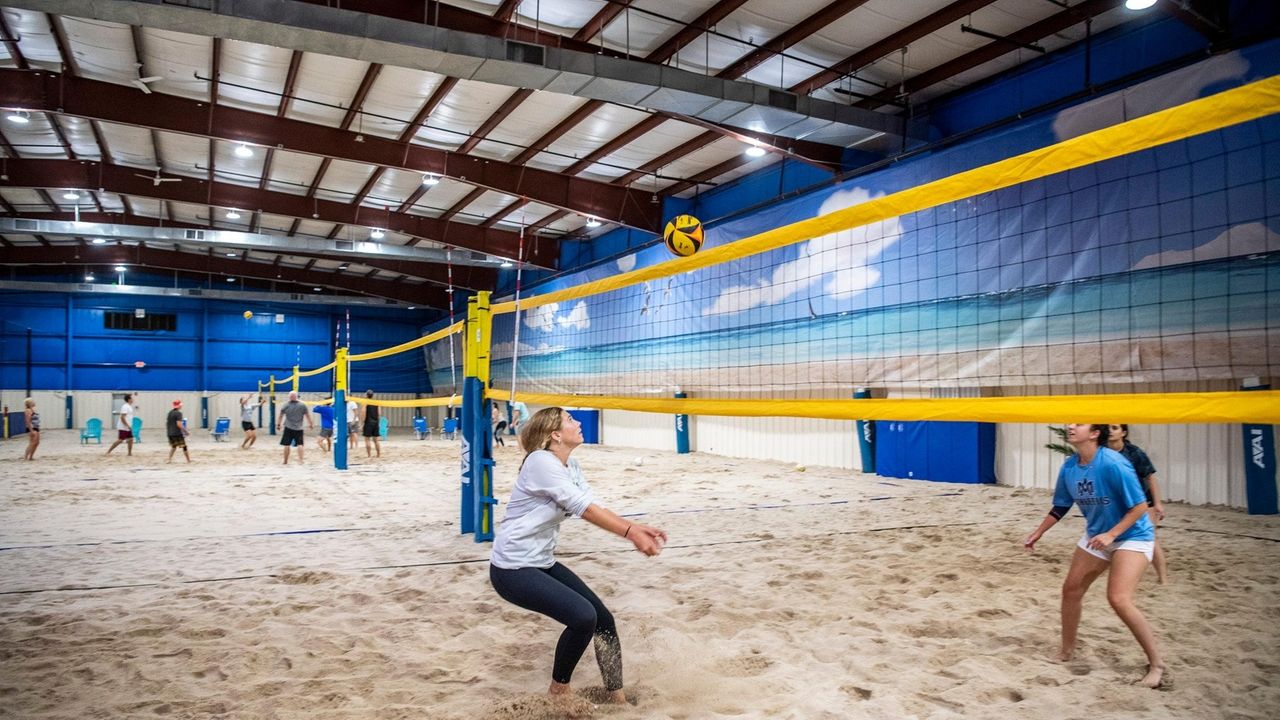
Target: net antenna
{"x":453,"y":365}
{"x":515,"y":344}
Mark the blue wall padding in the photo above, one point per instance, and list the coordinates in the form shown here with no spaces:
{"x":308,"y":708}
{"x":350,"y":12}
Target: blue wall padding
{"x":239,"y":352}
{"x":960,"y":452}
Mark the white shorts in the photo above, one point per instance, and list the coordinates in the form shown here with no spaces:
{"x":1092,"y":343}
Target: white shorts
{"x":1146,"y":547}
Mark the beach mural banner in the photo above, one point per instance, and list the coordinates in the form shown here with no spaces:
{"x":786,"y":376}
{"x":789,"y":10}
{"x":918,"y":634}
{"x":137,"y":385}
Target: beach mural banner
{"x":1162,"y":265}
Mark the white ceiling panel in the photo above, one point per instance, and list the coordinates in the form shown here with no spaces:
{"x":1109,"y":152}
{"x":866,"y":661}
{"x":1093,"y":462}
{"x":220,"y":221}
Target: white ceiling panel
{"x":292,"y":172}
{"x":343,"y":180}
{"x":111,"y":202}
{"x":440,"y":197}
{"x":38,"y":44}
{"x":251,"y":76}
{"x":461,"y":112}
{"x":705,"y":157}
{"x":392,"y":188}
{"x":395,"y":98}
{"x":324,"y":88}
{"x":188,"y":156}
{"x":484,"y":207}
{"x":598,"y":128}
{"x":179,"y":59}
{"x":128,"y":145}
{"x":539,"y":112}
{"x":24,"y":199}
{"x":146,"y":207}
{"x":35,"y":138}
{"x":79,"y":134}
{"x":101,"y":50}
{"x":234,"y":169}
{"x":562,"y":17}
{"x":656,"y":142}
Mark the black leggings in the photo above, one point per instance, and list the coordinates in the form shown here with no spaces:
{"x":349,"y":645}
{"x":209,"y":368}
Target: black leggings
{"x":559,"y":594}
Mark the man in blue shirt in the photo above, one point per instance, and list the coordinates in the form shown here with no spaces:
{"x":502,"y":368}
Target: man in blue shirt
{"x":1117,"y":535}
{"x":326,"y":427}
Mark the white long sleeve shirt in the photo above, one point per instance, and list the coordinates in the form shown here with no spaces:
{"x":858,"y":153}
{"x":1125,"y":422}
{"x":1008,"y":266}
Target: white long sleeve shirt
{"x":546,"y":492}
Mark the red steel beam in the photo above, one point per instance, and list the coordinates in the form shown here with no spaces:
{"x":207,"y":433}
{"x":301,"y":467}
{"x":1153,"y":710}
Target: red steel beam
{"x":467,"y":276}
{"x":144,"y":256}
{"x":99,"y":100}
{"x":121,"y":179}
{"x":896,"y":41}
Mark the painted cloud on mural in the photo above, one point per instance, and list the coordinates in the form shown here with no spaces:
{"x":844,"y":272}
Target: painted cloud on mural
{"x":1247,"y":239}
{"x":842,"y":261}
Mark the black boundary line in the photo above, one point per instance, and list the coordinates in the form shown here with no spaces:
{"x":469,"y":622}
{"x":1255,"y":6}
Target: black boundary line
{"x":472,"y":561}
{"x":339,"y":530}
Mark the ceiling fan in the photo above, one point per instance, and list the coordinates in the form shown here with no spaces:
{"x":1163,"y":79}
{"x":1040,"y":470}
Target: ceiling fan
{"x":142,"y":82}
{"x":156,"y":179}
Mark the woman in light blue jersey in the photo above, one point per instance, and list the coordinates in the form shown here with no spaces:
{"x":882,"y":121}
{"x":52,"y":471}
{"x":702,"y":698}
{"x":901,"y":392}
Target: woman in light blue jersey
{"x":1117,"y":535}
{"x":523,"y":567}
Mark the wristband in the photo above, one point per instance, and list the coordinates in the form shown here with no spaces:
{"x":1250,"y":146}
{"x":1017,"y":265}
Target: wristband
{"x":628,"y":532}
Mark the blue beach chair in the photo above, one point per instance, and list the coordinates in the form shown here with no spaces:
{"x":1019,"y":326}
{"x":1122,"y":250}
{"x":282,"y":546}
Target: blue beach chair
{"x":220,"y":429}
{"x":421,"y":430}
{"x":92,"y":431}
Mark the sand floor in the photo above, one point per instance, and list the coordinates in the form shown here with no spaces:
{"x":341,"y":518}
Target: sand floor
{"x":235,"y":587}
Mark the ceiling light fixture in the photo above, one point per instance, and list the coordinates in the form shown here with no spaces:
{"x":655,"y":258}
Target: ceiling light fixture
{"x":755,"y":151}
{"x":99,"y":241}
{"x":18,"y":117}
{"x":507,"y":264}
{"x":71,"y":195}
{"x":316,"y":289}
{"x":231,"y":254}
{"x":120,"y":268}
{"x":1138,"y":4}
{"x":430,"y":179}
{"x":231,"y":279}
{"x":413,"y":307}
{"x":244,"y":151}
{"x":88,"y":278}
{"x":592,"y":222}
{"x":232,"y":215}
{"x":376,"y":234}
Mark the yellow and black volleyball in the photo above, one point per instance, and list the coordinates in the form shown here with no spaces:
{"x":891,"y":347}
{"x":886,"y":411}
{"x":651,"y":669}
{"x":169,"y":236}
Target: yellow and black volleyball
{"x":683,"y":235}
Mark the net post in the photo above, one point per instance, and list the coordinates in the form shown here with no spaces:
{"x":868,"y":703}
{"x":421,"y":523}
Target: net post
{"x":340,"y":410}
{"x":271,"y":385}
{"x":866,"y":436}
{"x":682,"y":428}
{"x":477,"y":431}
{"x":296,"y":378}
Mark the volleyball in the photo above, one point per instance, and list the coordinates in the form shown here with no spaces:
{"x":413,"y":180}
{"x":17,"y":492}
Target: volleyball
{"x":248,"y":314}
{"x":683,"y":235}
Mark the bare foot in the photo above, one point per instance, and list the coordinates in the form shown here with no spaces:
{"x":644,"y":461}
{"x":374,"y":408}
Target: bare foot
{"x":1154,"y":677}
{"x":1063,"y":656}
{"x":616,"y":697}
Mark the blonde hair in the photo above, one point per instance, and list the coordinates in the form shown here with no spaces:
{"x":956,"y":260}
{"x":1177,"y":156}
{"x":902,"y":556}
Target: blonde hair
{"x":29,"y":402}
{"x":535,"y":434}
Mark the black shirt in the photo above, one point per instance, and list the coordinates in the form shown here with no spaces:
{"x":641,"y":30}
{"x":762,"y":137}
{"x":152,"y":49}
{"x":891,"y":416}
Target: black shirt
{"x":173,"y":423}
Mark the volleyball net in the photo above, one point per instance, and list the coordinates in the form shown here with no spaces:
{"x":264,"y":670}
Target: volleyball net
{"x":1058,"y":283}
{"x":423,"y":372}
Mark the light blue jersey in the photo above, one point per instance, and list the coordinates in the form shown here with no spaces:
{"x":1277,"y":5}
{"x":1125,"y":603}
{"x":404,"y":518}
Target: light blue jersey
{"x":1105,"y":489}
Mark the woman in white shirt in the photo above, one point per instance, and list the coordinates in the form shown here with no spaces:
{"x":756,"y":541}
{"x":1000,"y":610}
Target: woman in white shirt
{"x":523,"y":568}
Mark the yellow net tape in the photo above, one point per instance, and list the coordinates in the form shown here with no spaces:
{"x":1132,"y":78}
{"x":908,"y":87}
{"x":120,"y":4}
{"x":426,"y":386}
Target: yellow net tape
{"x":1230,"y":107}
{"x":453,"y":400}
{"x":317,"y":371}
{"x":1262,"y":406}
{"x":424,"y":340}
